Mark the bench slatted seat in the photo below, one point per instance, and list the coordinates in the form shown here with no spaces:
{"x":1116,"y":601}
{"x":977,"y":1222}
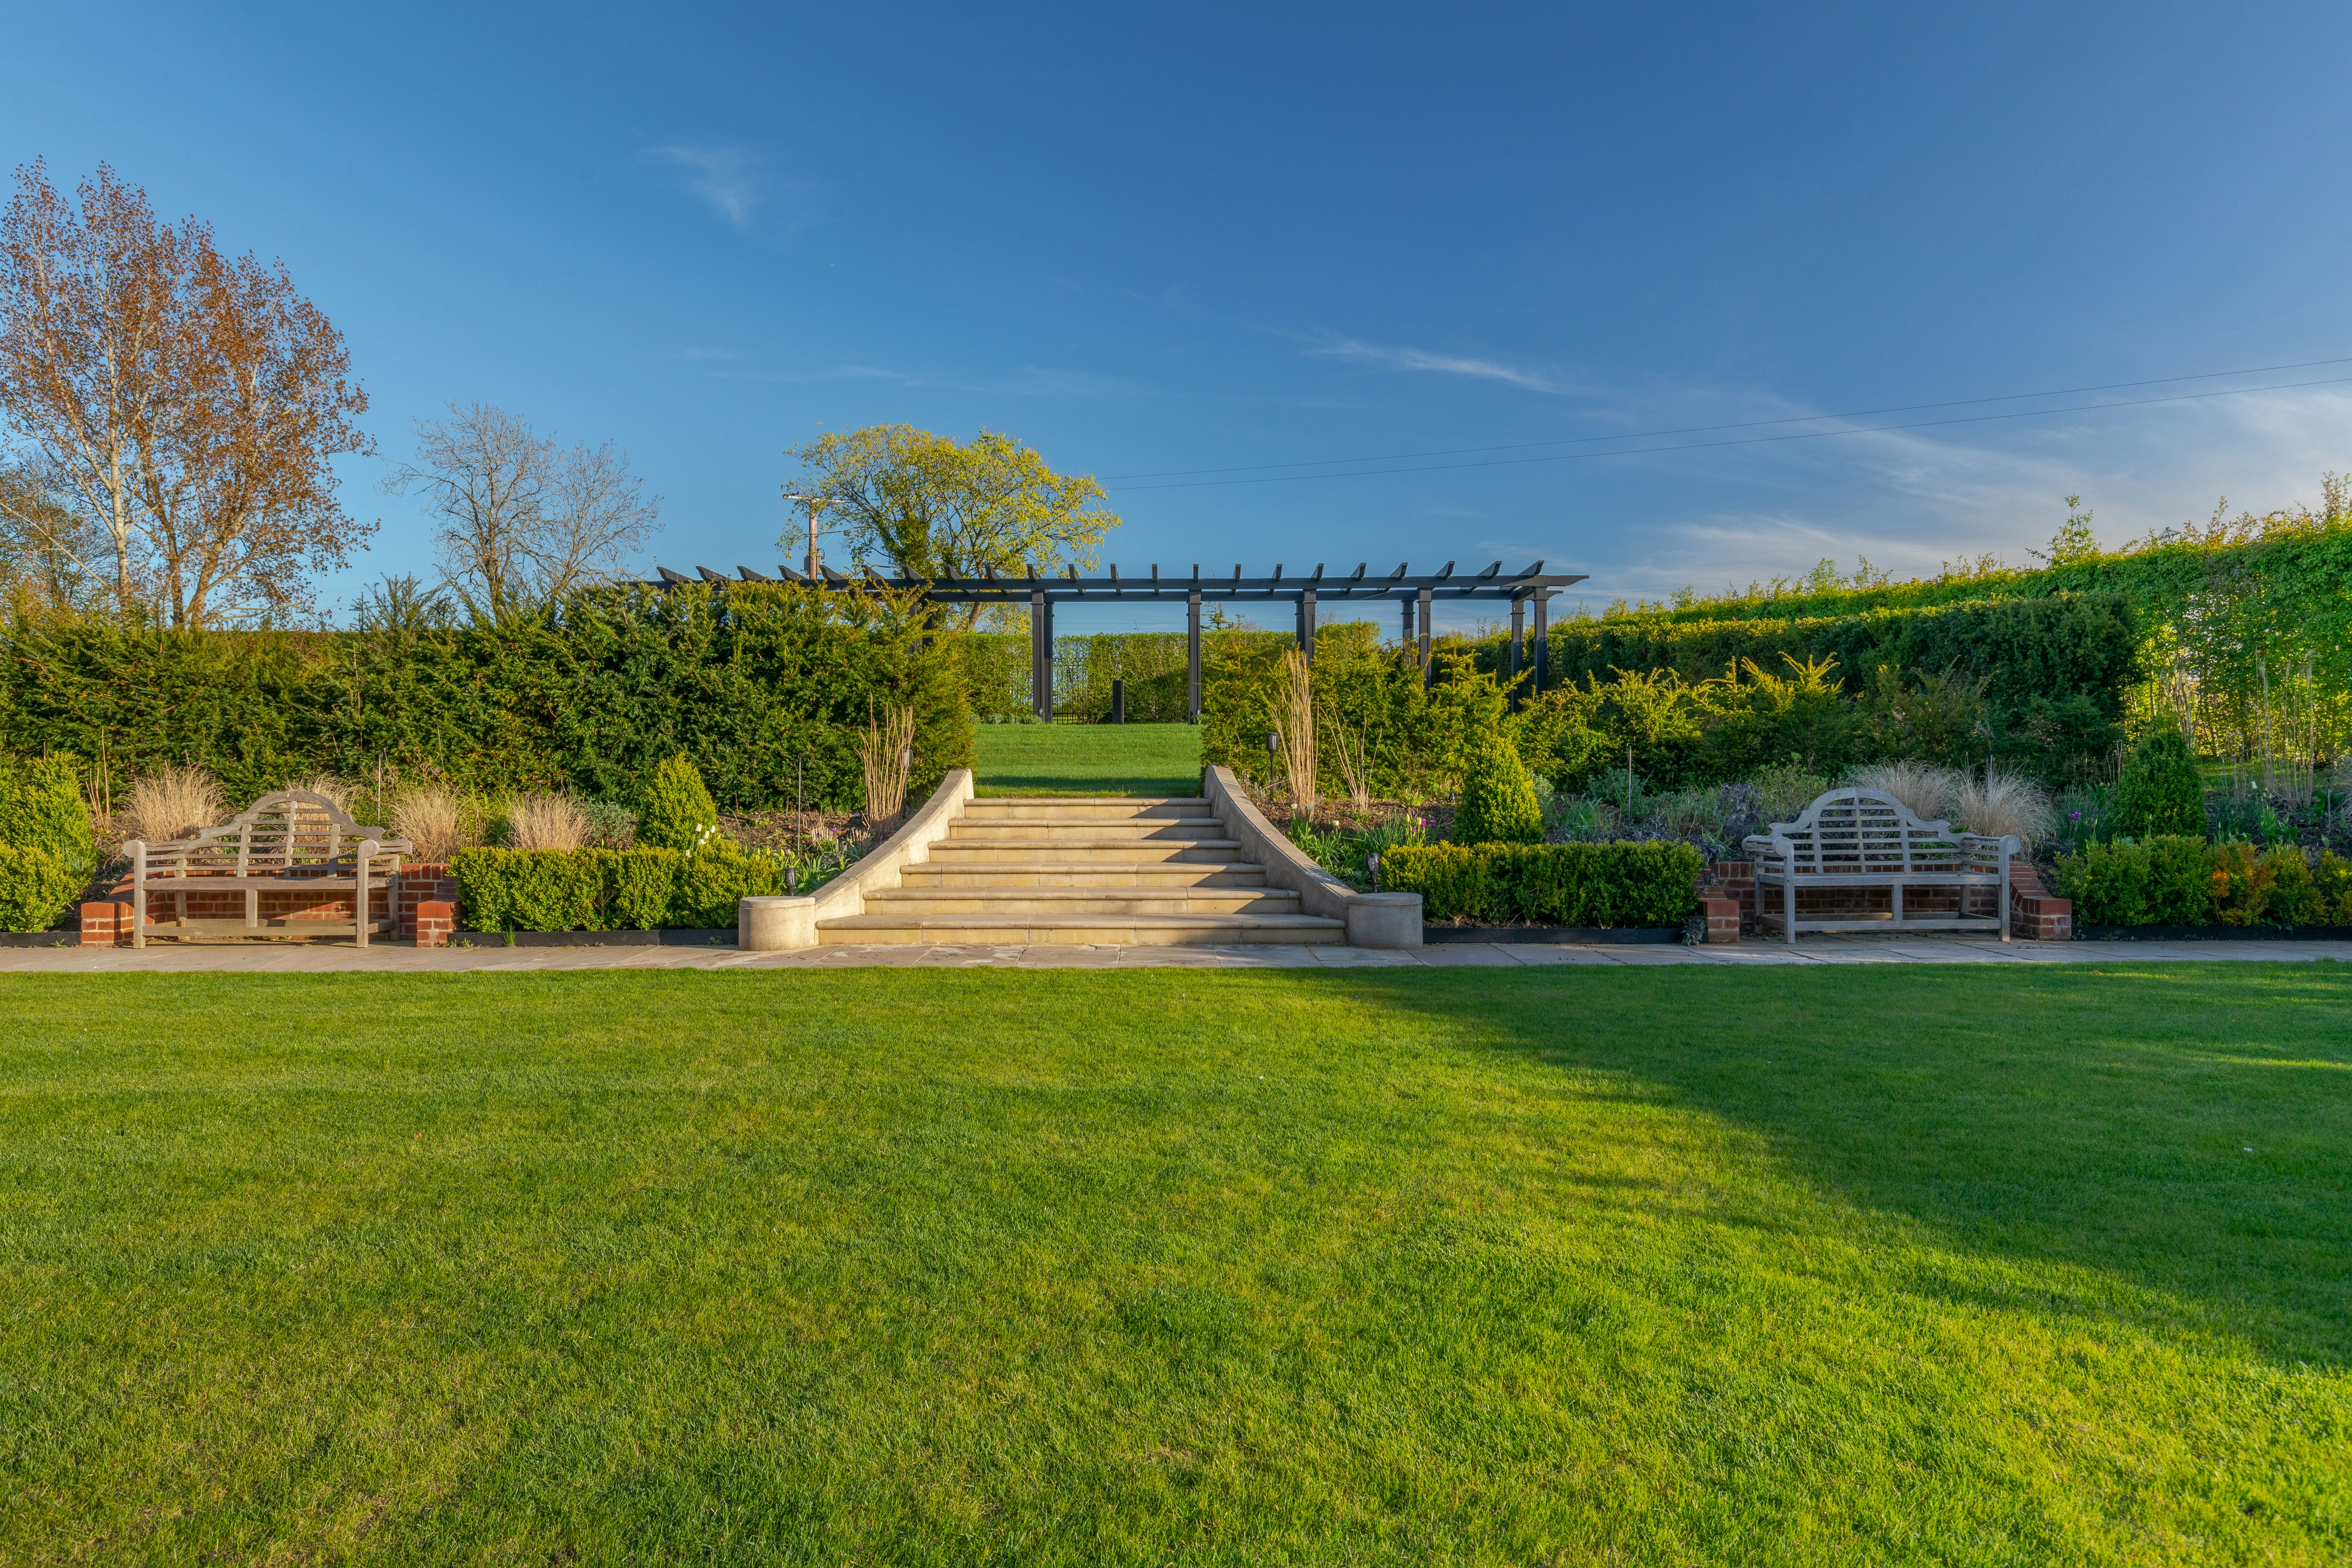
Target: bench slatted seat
{"x":1856,"y":838}
{"x":291,"y":841}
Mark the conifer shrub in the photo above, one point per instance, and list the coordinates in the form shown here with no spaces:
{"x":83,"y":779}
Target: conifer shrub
{"x":41,"y":807}
{"x":34,"y":888}
{"x":678,"y":812}
{"x":2160,"y":791}
{"x":1498,"y":802}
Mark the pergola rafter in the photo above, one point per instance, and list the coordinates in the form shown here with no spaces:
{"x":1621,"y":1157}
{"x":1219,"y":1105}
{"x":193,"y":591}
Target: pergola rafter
{"x":1416,"y":595}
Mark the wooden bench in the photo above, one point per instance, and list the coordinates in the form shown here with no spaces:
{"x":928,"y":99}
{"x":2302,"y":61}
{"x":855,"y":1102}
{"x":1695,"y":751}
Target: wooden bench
{"x":1853,"y":838}
{"x":292,"y":841}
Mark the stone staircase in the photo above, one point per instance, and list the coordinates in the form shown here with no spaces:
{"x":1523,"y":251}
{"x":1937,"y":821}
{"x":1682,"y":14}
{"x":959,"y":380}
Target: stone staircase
{"x":1045,"y":870}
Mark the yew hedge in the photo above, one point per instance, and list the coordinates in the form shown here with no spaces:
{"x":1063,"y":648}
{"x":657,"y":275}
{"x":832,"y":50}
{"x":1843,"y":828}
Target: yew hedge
{"x":751,"y":681}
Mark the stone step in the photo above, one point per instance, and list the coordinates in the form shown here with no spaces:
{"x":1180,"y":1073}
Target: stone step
{"x":1061,"y":905}
{"x":969,"y":830}
{"x":1104,"y":873}
{"x":1111,"y":809}
{"x":1081,"y":850}
{"x":1011,"y":929}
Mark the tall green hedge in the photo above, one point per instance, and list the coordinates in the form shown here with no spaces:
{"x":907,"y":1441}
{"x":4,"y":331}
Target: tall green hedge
{"x":996,"y":672}
{"x":2030,"y":653}
{"x":747,"y":681}
{"x":2236,"y":608}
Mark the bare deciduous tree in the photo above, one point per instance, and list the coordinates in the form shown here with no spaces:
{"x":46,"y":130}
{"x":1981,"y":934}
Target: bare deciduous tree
{"x":51,"y":556}
{"x":524,"y":521}
{"x":191,"y":402}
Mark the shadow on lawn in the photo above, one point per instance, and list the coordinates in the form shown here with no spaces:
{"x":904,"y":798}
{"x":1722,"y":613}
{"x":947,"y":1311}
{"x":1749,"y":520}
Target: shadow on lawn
{"x":2183,"y":1131}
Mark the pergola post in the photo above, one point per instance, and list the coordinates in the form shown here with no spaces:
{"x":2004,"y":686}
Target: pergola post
{"x":1543,"y":638}
{"x":1404,"y":637}
{"x":1307,"y":625}
{"x":1518,"y":640}
{"x":1041,"y":655}
{"x":1192,"y":656}
{"x":1427,"y":675}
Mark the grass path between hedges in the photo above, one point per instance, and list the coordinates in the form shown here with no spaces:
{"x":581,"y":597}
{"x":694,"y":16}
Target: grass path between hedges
{"x":1087,"y":758}
{"x":967,"y":1266}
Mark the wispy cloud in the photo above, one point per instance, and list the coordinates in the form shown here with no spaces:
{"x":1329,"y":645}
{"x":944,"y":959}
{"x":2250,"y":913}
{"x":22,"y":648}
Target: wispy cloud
{"x":1910,"y":500}
{"x":729,"y":178}
{"x":1361,"y":352}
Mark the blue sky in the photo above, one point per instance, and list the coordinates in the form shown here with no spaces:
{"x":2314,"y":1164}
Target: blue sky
{"x":1159,"y":242}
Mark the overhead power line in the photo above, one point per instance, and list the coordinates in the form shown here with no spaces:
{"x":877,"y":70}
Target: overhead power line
{"x":1747,"y":440}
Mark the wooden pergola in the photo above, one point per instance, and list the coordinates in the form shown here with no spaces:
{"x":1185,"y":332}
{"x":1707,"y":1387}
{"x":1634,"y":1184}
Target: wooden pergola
{"x":1416,"y":595}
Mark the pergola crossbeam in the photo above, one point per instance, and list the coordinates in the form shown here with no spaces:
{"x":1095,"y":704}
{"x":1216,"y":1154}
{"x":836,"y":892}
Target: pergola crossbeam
{"x":1412,"y":593}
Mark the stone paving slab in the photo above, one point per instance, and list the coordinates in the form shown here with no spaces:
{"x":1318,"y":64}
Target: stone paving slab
{"x":328,"y":957}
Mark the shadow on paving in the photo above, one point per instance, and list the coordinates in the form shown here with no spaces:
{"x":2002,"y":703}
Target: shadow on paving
{"x":2181,"y":1129}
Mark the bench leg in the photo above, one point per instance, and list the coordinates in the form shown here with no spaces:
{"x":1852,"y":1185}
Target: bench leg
{"x":1789,"y":908}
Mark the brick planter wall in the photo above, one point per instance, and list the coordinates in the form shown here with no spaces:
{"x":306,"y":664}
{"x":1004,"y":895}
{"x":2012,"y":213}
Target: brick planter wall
{"x":2035,"y":915}
{"x":429,"y":883}
{"x":108,"y":923}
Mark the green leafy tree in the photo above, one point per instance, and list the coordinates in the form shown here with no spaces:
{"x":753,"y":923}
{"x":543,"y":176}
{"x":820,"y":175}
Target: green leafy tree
{"x":678,"y":811}
{"x":2161,"y":790}
{"x":937,"y":506}
{"x":1498,"y":800}
{"x":2074,"y":543}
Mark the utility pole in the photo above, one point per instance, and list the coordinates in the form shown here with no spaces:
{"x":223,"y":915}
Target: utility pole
{"x":815,"y":504}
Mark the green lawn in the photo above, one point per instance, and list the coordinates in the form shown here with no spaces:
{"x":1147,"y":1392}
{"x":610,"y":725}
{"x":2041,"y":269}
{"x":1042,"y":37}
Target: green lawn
{"x":1088,"y":759}
{"x":1863,"y":1265}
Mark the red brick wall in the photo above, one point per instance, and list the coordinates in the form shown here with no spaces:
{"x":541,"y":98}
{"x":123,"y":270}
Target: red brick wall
{"x":108,"y":925}
{"x":2035,"y":915}
{"x":421,"y":885}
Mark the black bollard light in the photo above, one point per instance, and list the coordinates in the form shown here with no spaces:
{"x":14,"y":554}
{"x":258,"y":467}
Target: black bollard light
{"x":792,"y":881}
{"x":1372,"y":863}
{"x":1273,"y":758}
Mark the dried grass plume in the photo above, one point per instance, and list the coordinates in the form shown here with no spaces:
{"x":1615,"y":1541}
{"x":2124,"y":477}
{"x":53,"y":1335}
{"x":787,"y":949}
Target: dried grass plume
{"x":431,"y":818}
{"x":546,"y":822}
{"x":885,"y":756}
{"x":1931,"y":792}
{"x":172,"y":802}
{"x":2006,"y":803}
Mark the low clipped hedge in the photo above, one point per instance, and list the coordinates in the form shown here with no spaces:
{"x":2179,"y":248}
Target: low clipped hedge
{"x":2174,"y":880}
{"x":1601,"y":885}
{"x":607,"y":889}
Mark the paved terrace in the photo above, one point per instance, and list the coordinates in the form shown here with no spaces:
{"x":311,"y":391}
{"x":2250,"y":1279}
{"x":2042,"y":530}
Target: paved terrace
{"x":309,"y":958}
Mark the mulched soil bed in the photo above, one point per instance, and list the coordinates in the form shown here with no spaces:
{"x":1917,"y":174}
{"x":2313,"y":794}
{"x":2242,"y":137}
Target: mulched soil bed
{"x":683,"y":936}
{"x":2213,"y":933}
{"x":1557,"y":936}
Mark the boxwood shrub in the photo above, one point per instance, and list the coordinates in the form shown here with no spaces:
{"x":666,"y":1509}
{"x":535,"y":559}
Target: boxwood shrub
{"x":606,"y":889}
{"x":1652,"y":884}
{"x":2175,"y":880}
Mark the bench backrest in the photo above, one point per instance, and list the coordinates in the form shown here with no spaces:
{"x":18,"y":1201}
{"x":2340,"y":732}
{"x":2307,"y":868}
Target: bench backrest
{"x":1856,"y":829}
{"x":289,"y":829}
